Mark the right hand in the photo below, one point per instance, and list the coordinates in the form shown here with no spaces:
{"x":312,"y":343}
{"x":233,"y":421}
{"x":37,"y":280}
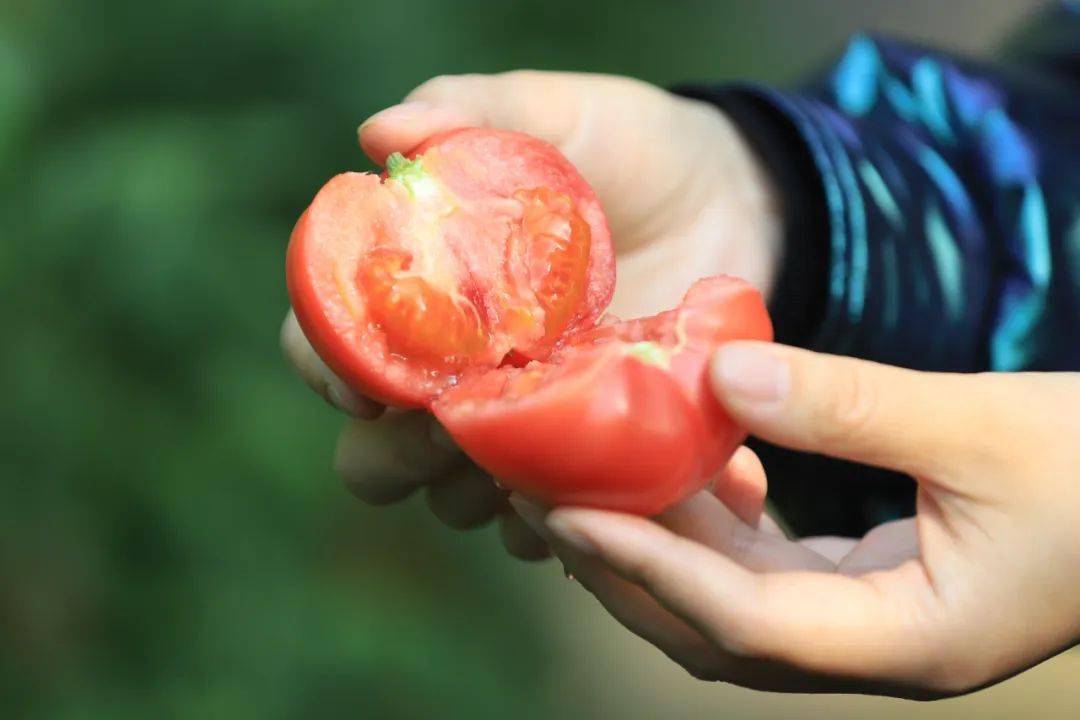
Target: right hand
{"x":678,"y":184}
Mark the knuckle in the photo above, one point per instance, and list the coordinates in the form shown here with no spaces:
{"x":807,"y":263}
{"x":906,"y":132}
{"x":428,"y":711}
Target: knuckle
{"x":700,"y":669}
{"x":441,"y":87}
{"x":458,"y":510}
{"x":736,"y":640}
{"x":436,"y":87}
{"x":643,"y":571}
{"x":520,"y":541}
{"x":945,"y":666}
{"x":950,"y":678}
{"x":525,"y":75}
{"x":368,"y":470}
{"x":381,"y":491}
{"x":849,"y":409}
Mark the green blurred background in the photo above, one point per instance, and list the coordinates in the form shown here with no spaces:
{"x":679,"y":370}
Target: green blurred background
{"x":172,"y":540}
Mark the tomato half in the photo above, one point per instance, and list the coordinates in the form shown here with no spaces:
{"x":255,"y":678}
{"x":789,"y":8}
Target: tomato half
{"x":482,"y":244}
{"x":621,"y":417}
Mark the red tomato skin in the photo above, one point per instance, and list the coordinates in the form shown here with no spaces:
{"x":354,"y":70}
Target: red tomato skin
{"x":715,"y":311}
{"x":618,"y":434}
{"x":477,"y":162}
{"x":609,"y":430}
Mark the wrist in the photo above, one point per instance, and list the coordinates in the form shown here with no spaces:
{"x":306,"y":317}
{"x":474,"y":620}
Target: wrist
{"x":795,"y":282}
{"x":748,"y":204}
{"x":740,"y":227}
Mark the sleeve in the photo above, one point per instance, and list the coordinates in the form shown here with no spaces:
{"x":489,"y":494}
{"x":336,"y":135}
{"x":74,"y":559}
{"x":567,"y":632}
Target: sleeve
{"x":933,"y":204}
{"x":933,"y":214}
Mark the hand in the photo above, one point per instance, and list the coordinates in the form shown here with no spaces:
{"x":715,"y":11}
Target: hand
{"x":983,"y":583}
{"x":685,"y":198}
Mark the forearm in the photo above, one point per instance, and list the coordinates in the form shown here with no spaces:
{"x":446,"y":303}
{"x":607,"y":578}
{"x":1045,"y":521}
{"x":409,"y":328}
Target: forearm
{"x":931,"y":210}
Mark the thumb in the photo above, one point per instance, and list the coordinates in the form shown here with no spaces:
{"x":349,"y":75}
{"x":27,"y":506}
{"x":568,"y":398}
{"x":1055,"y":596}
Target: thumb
{"x":615,"y":130}
{"x":919,"y":423}
{"x":547,"y":105}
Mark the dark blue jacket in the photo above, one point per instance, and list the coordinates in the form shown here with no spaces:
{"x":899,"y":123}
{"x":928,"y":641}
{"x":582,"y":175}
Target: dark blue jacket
{"x":933,"y":214}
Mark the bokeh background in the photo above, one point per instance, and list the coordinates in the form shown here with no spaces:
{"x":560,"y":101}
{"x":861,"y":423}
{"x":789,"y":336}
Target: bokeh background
{"x":172,"y":540}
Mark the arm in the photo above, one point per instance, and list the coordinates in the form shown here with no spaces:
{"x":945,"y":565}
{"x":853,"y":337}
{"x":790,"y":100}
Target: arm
{"x":952,"y":197}
{"x":932,"y":214}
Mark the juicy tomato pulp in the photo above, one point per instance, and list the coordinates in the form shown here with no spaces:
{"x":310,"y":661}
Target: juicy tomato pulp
{"x":485,"y":244}
{"x":621,"y":416}
{"x":469,"y":280}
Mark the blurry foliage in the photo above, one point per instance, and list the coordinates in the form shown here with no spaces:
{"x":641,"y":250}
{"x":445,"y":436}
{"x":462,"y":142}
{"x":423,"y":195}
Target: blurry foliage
{"x":172,"y":541}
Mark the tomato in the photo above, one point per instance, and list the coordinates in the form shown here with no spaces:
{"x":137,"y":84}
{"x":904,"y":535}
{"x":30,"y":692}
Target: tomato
{"x":469,"y":279}
{"x":621,"y":417}
{"x":482,"y":244}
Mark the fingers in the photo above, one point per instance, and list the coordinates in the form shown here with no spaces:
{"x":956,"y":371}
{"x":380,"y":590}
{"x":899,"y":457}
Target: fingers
{"x":521,"y":540}
{"x":742,"y":486}
{"x":586,"y":117}
{"x":386,"y":461}
{"x":400,"y":128}
{"x":466,"y":498}
{"x":630,"y":605}
{"x":833,"y":547}
{"x":546,"y":105}
{"x":886,"y":546}
{"x":919,"y":423}
{"x":816,"y":622}
{"x":707,"y":521}
{"x":319,"y":377}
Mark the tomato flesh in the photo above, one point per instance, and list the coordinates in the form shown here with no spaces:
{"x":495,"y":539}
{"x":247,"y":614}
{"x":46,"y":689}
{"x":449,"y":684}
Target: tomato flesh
{"x":419,"y":320}
{"x":558,"y":242}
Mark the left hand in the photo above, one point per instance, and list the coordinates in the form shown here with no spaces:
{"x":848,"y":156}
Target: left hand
{"x":983,"y":583}
{"x":685,"y":195}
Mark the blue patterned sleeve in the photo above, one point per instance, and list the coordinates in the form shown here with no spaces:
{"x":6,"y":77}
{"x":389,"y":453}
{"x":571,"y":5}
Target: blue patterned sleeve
{"x":951,"y":193}
{"x":933,"y":219}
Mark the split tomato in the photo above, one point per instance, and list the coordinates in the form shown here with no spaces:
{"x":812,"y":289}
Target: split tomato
{"x":469,"y":279}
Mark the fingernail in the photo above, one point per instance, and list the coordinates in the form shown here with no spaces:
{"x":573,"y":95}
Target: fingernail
{"x":566,"y":533}
{"x":530,"y":512}
{"x":402,"y":112}
{"x":751,"y":372}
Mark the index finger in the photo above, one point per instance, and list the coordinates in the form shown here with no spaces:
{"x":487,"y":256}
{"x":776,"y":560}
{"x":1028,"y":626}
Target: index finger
{"x":311,"y":368}
{"x":864,"y":628}
{"x":547,"y":105}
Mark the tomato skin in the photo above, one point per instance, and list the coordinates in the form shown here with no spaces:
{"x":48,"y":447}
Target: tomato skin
{"x":603,"y":427}
{"x":614,"y":433}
